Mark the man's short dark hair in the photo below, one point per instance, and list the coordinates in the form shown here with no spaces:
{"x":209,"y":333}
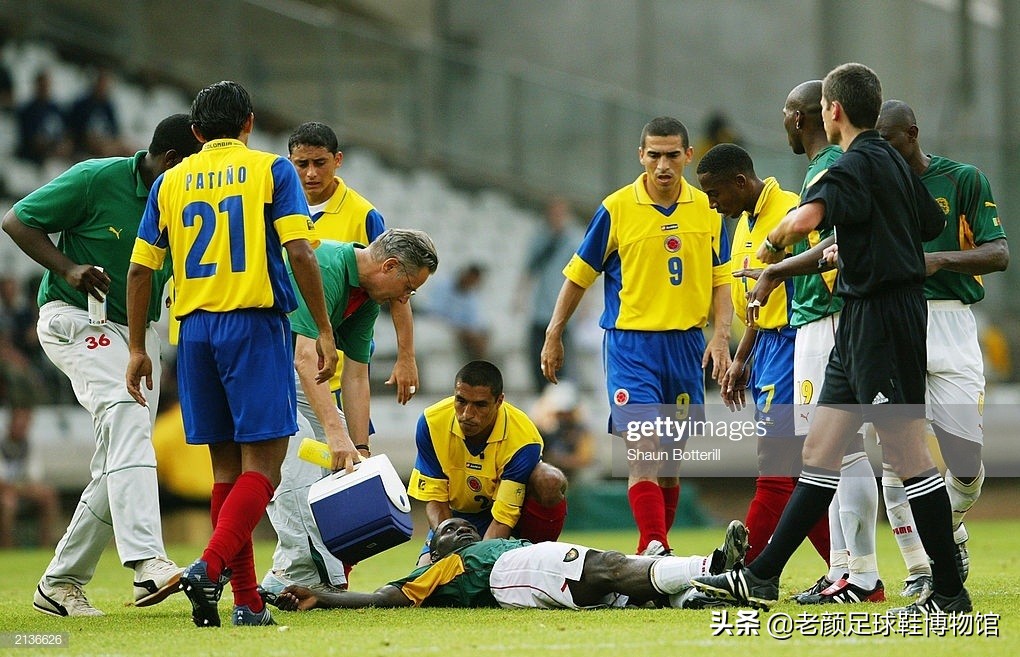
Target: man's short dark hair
{"x":174,"y":134}
{"x":726,"y":160}
{"x":482,"y":373}
{"x":314,"y":134}
{"x":858,"y":90}
{"x":220,"y":110}
{"x":665,"y":126}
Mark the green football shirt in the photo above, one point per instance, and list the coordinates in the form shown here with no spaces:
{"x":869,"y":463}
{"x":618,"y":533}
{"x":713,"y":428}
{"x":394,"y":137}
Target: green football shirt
{"x":96,"y":207}
{"x":460,"y":579}
{"x":813,"y":296}
{"x":963,"y":193}
{"x":351,"y":312}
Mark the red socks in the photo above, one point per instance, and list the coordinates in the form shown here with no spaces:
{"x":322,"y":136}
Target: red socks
{"x":648,"y":505}
{"x":770,"y":497}
{"x":541,"y":523}
{"x":236,"y":509}
{"x":671,"y":500}
{"x":219,"y":496}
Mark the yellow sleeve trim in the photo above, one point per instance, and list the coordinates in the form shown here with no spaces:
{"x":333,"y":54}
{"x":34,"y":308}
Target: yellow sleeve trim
{"x":147,"y":255}
{"x":506,"y":507}
{"x":580,"y":272}
{"x":296,"y":227}
{"x":442,"y":572}
{"x":428,"y":489}
{"x":722,"y":275}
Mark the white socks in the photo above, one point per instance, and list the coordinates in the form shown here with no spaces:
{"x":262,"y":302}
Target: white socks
{"x":674,"y":574}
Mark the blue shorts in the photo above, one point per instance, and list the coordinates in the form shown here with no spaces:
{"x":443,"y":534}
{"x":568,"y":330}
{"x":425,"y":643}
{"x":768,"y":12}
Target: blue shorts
{"x":646,"y":370}
{"x":235,"y":376}
{"x":654,"y":367}
{"x":771,"y":380}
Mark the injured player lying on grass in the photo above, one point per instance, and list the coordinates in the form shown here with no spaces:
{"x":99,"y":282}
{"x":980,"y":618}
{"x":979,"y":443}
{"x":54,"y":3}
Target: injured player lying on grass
{"x":469,"y":572}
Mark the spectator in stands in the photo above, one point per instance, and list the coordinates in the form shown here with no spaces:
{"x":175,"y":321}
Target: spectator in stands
{"x":21,"y":483}
{"x":42,"y":133}
{"x":549,"y":251}
{"x":457,"y":303}
{"x":20,"y":389}
{"x":6,"y":82}
{"x":716,"y":130}
{"x":559,"y":415}
{"x":6,"y":89}
{"x":92,"y":121}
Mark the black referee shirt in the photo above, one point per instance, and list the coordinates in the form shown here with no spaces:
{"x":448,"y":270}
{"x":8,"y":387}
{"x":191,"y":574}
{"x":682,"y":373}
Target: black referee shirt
{"x":881,"y":212}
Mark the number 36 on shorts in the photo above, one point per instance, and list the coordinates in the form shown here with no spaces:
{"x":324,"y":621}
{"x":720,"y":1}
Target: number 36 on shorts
{"x":92,"y":342}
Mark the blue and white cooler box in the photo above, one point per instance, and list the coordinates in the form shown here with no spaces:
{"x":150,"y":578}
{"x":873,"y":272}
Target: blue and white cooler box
{"x":362,"y":513}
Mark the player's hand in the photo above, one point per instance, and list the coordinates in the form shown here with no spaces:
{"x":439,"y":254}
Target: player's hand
{"x":748,"y":273}
{"x":733,"y":385}
{"x":769,"y":257}
{"x":758,"y":295}
{"x":325,"y":347}
{"x":88,"y":279}
{"x":139,"y":368}
{"x":405,"y":377}
{"x":296,"y":598}
{"x":718,"y":351}
{"x":552,"y":357}
{"x":831,"y":256}
{"x":341,"y":448}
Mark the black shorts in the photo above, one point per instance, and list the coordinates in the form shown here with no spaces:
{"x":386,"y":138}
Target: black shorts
{"x":880,"y":356}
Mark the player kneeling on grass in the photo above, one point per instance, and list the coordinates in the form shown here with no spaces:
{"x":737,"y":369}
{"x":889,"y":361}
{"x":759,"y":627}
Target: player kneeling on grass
{"x":480,"y":458}
{"x":467,"y":571}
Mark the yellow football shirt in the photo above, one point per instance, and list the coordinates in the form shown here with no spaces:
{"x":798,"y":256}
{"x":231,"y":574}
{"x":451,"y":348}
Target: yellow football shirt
{"x":661,"y":264}
{"x":773,"y":204}
{"x":493,"y":480}
{"x":224,"y":214}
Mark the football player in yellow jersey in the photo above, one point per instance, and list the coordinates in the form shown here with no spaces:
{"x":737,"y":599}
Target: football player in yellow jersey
{"x":665,"y":255}
{"x":479,"y":458}
{"x":342,"y":214}
{"x":225,"y":215}
{"x":764,"y":358}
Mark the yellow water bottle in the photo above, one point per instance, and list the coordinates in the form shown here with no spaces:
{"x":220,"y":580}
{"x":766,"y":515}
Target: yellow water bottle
{"x":313,"y":451}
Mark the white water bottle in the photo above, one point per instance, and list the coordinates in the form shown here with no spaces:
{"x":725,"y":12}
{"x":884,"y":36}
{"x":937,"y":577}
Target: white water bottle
{"x":97,"y":309}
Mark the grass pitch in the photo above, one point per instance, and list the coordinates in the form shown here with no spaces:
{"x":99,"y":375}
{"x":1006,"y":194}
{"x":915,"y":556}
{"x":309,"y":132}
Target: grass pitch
{"x":166,"y":629}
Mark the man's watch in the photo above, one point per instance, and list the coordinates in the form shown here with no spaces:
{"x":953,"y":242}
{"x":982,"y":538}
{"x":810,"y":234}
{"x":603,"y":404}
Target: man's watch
{"x":770,"y":247}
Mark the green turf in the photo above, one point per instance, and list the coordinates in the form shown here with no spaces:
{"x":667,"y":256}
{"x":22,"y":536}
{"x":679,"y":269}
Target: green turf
{"x":166,"y":629}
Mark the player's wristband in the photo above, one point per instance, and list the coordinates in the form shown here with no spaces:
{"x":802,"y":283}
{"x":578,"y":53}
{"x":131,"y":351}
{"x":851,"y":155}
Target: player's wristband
{"x":770,"y":247}
{"x":364,"y":447}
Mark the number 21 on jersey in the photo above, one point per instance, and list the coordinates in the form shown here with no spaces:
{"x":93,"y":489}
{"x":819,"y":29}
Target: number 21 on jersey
{"x":208,"y":220}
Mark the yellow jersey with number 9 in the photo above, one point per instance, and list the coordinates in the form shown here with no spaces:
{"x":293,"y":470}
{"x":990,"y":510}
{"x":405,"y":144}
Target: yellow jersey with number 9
{"x":223,"y":214}
{"x":661,"y":264}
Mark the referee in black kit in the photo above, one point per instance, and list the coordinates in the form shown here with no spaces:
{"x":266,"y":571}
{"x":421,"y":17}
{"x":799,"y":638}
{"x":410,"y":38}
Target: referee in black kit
{"x":881,"y":213}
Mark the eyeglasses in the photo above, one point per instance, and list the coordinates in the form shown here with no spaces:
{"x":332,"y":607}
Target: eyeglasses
{"x":409,"y":289}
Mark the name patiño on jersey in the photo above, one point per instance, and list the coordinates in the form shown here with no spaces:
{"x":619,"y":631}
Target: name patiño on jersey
{"x":215,"y":179}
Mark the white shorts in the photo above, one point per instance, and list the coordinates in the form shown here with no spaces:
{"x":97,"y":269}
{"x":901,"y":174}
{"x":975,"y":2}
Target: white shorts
{"x":810,"y":356}
{"x":956,"y":373}
{"x":536,"y":576}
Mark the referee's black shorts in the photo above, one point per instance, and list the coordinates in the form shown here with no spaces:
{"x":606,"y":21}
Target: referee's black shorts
{"x":880,"y":357}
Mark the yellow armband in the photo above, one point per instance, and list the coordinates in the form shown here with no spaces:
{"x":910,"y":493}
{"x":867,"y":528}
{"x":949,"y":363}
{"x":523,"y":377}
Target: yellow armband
{"x":428,"y":489}
{"x":506,"y":508}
